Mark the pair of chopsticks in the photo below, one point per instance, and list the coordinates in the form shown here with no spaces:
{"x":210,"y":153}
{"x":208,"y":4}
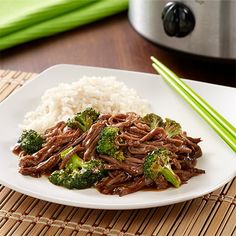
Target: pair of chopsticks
{"x":224,"y":129}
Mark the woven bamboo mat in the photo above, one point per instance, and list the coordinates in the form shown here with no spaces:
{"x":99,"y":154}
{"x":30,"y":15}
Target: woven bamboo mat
{"x":213,"y":214}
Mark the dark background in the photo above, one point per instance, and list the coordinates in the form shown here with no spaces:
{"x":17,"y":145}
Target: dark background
{"x":113,"y":43}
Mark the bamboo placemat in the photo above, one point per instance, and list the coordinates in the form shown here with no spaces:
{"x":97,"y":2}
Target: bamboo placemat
{"x":212,"y":214}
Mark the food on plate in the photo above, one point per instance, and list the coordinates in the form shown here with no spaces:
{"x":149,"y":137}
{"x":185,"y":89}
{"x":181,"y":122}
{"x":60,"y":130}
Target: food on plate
{"x":66,"y":99}
{"x":77,"y":173}
{"x":158,"y":163}
{"x":83,"y":120}
{"x":117,"y":153}
{"x":30,"y":141}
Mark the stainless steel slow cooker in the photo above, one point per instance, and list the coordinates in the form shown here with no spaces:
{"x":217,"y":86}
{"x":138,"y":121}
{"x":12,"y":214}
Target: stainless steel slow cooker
{"x":202,"y":27}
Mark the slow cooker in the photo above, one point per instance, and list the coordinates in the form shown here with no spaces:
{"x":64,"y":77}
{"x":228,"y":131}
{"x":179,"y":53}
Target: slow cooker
{"x":206,"y":28}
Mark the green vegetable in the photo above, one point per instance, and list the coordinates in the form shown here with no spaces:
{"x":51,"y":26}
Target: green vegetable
{"x":158,"y":163}
{"x":106,"y":144}
{"x":83,"y":120}
{"x":30,"y":141}
{"x":77,"y":173}
{"x":172,"y":128}
{"x":153,"y":120}
{"x":75,"y":161}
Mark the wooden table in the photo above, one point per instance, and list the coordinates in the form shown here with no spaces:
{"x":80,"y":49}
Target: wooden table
{"x":113,"y":43}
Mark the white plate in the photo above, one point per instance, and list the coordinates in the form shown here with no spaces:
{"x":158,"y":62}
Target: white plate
{"x":218,"y":160}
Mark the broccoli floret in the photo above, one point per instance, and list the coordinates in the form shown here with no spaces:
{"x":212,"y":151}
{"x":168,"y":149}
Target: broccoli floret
{"x":77,"y":173}
{"x":30,"y":141}
{"x":172,"y":128}
{"x":83,"y":120}
{"x":158,"y":163}
{"x":152,"y":120}
{"x":106,"y":144}
{"x":59,"y":177}
{"x":83,"y":178}
{"x":75,"y":161}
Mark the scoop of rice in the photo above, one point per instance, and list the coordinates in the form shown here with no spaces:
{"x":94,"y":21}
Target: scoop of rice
{"x":104,"y":94}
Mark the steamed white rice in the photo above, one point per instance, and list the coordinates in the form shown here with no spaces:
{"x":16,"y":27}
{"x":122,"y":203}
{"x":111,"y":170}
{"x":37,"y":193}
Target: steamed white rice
{"x":104,"y":94}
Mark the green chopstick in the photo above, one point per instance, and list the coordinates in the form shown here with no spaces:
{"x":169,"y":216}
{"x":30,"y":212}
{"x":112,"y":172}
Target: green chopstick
{"x":203,"y":103}
{"x":226,"y":130}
